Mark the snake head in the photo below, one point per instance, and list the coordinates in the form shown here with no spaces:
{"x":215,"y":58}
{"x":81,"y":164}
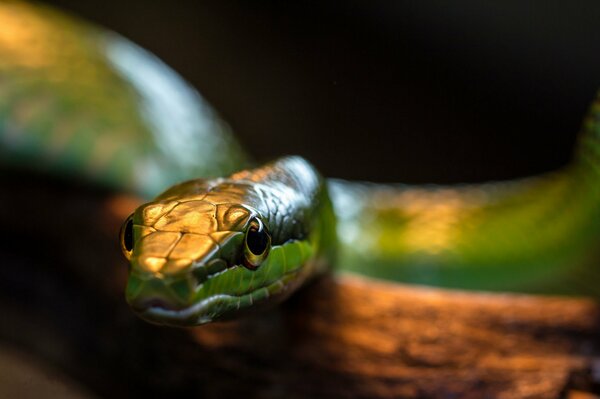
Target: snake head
{"x":200,"y":253}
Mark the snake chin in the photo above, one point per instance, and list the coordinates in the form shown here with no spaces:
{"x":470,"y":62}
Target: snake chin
{"x":196,"y":314}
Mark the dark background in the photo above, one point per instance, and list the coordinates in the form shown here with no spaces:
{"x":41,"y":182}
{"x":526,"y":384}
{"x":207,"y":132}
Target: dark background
{"x":428,"y":91}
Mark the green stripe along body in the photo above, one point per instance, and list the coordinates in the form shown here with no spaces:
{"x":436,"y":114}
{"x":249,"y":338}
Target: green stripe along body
{"x":83,"y":102}
{"x":536,"y":235}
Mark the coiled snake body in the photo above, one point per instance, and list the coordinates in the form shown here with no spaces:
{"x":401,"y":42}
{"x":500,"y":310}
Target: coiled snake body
{"x":82,"y":101}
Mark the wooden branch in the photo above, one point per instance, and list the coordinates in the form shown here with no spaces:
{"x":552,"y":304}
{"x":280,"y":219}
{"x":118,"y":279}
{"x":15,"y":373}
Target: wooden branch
{"x":352,"y":337}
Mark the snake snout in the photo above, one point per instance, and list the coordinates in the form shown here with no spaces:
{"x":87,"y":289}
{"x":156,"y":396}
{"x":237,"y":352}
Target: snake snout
{"x":159,"y":293}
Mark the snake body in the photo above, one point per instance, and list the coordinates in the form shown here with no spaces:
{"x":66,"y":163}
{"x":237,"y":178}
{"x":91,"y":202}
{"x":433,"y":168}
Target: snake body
{"x":79,"y":101}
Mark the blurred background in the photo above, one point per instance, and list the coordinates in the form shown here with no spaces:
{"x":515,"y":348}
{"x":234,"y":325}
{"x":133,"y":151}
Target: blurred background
{"x":383,"y":90}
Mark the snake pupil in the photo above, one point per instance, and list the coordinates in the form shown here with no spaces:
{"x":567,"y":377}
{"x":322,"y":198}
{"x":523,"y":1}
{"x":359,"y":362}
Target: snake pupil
{"x":128,"y":235}
{"x":257,"y":239}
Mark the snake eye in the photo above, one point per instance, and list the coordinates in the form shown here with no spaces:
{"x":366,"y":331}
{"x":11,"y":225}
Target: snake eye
{"x":257,"y":244}
{"x":126,"y":237}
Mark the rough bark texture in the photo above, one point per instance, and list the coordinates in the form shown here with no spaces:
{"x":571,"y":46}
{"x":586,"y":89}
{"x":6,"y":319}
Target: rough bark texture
{"x":61,"y":302}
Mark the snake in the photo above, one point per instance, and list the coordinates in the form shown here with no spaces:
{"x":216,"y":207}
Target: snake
{"x":219,"y":235}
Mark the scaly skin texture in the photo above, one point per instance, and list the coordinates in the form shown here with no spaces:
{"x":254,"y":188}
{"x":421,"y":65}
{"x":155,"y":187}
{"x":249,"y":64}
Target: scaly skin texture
{"x":537,"y":235}
{"x":80,"y":101}
{"x":84,"y":102}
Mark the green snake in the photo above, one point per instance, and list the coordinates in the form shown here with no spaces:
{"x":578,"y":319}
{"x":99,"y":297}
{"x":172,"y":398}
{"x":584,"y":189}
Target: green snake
{"x":82,"y":102}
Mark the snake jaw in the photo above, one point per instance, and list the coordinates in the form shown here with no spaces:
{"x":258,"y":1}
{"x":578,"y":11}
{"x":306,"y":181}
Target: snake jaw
{"x":230,"y":292}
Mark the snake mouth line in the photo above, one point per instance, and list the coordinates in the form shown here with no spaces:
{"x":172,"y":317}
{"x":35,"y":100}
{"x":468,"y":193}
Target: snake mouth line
{"x":182,"y":317}
{"x":213,"y":307}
